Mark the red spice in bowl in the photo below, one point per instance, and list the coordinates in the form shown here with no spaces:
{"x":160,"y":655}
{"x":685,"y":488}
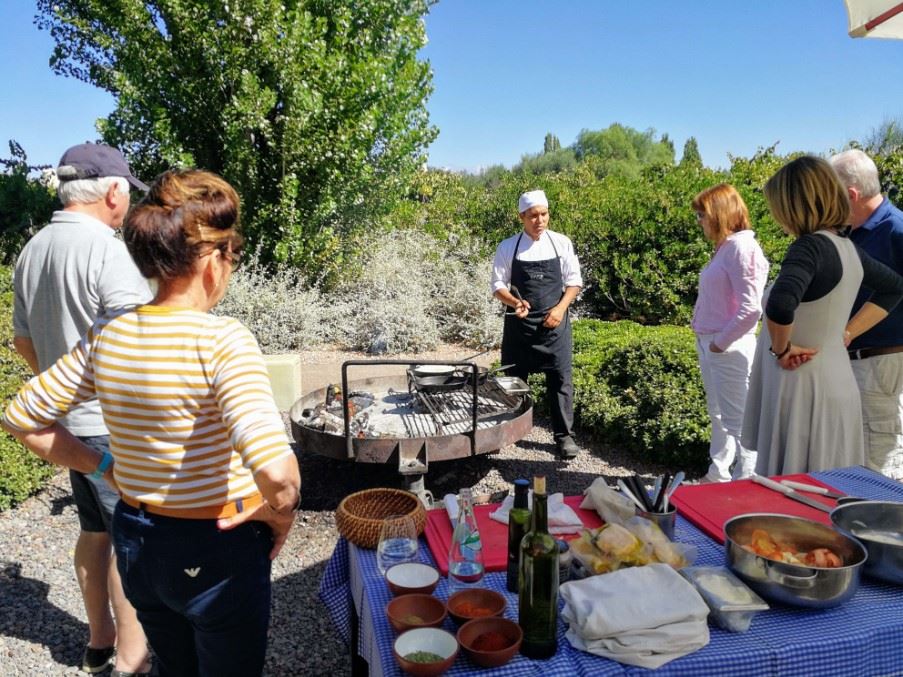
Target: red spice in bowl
{"x":491,"y":641}
{"x":466,"y":605}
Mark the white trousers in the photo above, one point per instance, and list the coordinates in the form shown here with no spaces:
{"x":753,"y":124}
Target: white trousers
{"x":725,"y":377}
{"x":880,"y":380}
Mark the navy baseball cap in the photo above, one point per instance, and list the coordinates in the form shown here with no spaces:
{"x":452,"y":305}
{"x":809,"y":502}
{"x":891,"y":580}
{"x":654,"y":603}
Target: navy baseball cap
{"x":95,"y":160}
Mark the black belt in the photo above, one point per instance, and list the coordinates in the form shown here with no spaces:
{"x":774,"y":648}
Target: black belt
{"x":862,"y":353}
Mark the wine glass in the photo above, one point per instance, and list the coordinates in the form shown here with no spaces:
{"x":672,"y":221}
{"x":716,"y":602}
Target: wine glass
{"x":397,"y":542}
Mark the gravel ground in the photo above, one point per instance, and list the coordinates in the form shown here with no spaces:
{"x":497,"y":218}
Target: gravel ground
{"x":42,"y":622}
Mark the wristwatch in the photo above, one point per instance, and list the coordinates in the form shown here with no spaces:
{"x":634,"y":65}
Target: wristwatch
{"x":778,"y":356}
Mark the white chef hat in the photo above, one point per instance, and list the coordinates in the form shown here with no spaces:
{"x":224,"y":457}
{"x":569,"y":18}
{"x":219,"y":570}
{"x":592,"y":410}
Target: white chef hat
{"x":532,"y":198}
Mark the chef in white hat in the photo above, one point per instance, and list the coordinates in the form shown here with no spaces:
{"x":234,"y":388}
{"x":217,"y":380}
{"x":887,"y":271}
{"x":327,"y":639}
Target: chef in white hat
{"x":536,"y":273}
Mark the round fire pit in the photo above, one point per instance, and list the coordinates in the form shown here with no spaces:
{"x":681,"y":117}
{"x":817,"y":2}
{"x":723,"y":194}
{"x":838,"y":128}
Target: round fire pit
{"x":391,"y":421}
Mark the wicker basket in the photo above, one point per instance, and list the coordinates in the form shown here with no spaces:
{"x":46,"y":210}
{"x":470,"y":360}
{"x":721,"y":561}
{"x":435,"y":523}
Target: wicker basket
{"x":360,"y":515}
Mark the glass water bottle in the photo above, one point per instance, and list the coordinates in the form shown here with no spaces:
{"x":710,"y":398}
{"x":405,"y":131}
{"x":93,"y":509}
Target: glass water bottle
{"x":465,"y":558}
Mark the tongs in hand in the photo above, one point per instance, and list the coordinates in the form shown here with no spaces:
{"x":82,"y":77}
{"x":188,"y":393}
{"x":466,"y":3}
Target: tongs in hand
{"x":515,"y":292}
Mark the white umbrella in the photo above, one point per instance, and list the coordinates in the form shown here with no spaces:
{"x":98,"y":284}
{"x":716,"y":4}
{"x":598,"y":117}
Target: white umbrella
{"x":875,"y":18}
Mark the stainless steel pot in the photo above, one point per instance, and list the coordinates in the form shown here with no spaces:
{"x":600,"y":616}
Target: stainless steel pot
{"x":878,"y":525}
{"x":794,"y":584}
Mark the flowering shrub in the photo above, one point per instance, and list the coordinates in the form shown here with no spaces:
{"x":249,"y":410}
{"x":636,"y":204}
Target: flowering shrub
{"x":404,"y":291}
{"x":279,"y":310}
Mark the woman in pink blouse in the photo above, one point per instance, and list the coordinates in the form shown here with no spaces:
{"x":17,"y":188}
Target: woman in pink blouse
{"x":724,"y":320}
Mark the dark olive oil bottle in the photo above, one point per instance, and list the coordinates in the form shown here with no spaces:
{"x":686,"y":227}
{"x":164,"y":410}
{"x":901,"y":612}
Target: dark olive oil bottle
{"x":518,"y":524}
{"x":538,"y":581}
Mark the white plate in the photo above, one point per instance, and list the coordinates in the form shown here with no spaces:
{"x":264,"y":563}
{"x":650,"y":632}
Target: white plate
{"x":434,"y":369}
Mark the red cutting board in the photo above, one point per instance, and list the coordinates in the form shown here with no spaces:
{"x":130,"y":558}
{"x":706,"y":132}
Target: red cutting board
{"x":493,"y":535}
{"x":709,"y":506}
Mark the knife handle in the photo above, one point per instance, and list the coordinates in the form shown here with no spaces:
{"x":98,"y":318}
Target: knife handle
{"x":811,"y":488}
{"x":771,"y":484}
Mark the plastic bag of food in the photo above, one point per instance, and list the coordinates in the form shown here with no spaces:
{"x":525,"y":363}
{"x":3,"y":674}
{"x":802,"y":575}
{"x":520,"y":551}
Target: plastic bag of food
{"x":678,"y":555}
{"x":613,"y":506}
{"x":588,"y":555}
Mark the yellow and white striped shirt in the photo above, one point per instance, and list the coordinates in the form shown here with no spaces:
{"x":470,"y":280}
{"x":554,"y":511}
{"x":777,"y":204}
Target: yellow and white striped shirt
{"x":186,"y":398}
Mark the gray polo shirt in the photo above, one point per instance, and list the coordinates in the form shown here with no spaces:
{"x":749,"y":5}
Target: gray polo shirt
{"x":73,"y":270}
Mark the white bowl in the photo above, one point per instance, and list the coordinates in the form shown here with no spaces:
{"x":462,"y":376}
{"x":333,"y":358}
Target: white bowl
{"x":435,"y":640}
{"x":412,"y":577}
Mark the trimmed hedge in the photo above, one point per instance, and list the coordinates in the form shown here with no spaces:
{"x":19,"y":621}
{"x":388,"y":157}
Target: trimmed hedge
{"x":639,"y":388}
{"x":22,"y":474}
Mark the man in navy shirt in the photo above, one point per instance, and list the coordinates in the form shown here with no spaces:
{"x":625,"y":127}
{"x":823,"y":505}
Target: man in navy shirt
{"x":877,"y":355}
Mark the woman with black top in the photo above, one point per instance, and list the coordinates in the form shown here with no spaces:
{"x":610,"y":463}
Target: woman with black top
{"x":803,"y":408}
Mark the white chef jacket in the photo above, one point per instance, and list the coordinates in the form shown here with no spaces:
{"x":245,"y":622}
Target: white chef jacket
{"x":539,"y":250}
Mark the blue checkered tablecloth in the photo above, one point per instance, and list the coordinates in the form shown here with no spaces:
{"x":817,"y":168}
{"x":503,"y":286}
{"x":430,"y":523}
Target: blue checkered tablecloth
{"x":863,"y":637}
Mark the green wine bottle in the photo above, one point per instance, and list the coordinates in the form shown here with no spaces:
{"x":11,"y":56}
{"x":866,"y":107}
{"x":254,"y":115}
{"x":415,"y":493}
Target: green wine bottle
{"x":518,"y":524}
{"x":538,"y":581}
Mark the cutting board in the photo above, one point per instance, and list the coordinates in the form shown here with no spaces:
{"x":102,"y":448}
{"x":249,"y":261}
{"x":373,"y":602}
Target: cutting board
{"x":709,"y":506}
{"x":493,"y":535}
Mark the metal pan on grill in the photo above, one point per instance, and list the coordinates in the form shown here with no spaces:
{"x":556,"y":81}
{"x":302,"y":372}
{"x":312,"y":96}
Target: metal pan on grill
{"x":439,"y":384}
{"x":483,"y":373}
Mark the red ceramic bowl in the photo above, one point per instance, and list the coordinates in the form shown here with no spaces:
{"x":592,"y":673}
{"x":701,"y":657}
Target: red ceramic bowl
{"x":465,"y":605}
{"x":415,"y":611}
{"x":479,"y":637}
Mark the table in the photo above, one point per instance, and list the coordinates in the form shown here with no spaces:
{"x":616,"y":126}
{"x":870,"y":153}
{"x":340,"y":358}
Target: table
{"x":864,"y":636}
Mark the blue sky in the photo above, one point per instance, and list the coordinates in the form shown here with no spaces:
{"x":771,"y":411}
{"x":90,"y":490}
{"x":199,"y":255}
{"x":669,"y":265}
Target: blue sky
{"x":736,"y":75}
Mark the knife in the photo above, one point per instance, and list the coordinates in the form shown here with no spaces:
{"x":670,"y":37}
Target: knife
{"x":789,"y":493}
{"x":812,"y":489}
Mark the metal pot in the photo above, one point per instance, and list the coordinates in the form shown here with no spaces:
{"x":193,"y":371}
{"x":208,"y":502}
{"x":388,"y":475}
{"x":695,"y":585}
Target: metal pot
{"x":794,"y":584}
{"x":878,"y":525}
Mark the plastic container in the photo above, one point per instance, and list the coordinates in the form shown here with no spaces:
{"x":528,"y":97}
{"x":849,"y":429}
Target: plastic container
{"x":730,"y":600}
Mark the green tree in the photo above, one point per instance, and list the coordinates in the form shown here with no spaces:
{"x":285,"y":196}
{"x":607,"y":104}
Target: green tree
{"x":551,"y":143}
{"x":546,"y":163}
{"x":26,"y":204}
{"x":314,"y":109}
{"x":668,"y":143}
{"x":691,"y":156}
{"x":622,"y":150}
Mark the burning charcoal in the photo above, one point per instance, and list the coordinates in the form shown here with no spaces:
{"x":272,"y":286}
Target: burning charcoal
{"x":361,"y":400}
{"x":359,"y":424}
{"x":332,"y":423}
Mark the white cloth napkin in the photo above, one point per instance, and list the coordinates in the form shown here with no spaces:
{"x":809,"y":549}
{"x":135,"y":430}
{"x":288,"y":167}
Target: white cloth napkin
{"x":562,"y":519}
{"x":643,"y":616}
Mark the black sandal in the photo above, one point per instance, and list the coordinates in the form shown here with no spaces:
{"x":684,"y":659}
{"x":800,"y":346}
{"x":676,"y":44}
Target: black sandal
{"x":97,"y":660}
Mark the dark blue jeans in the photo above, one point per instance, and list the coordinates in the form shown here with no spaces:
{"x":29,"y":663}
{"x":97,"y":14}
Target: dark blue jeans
{"x":202,"y":595}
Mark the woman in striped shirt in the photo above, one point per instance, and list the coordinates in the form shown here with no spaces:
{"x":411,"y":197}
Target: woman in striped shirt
{"x":209,"y":484}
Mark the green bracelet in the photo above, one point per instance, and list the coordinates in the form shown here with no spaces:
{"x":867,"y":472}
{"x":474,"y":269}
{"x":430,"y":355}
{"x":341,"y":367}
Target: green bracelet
{"x":101,"y":468}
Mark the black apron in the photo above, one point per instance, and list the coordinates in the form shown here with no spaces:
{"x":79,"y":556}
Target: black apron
{"x":535,"y":348}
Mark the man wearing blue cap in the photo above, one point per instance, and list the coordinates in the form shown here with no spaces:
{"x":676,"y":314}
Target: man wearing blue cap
{"x":70,"y":272}
{"x":537,"y":274}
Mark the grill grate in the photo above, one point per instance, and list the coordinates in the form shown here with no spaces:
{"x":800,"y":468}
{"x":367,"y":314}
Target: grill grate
{"x":456,"y":407}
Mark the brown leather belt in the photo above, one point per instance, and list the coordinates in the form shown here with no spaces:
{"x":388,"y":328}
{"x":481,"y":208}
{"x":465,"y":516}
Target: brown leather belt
{"x":862,"y":353}
{"x":211,"y":512}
